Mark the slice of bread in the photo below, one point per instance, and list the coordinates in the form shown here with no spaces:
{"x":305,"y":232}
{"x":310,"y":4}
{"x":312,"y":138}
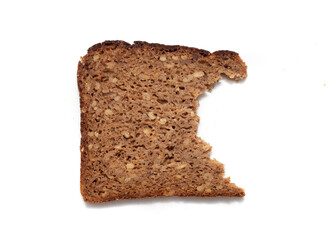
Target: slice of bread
{"x":139,"y":123}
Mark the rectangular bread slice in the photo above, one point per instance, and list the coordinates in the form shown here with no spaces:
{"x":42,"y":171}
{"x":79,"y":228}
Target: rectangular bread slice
{"x":139,"y":123}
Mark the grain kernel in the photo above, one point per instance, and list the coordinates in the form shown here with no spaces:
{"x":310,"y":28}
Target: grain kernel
{"x":162,"y":58}
{"x":98,"y":111}
{"x":169,"y":65}
{"x":151,"y":115}
{"x":163,"y":169}
{"x":125,"y":134}
{"x":181,"y":166}
{"x":206,"y":147}
{"x":134,"y":177}
{"x":200,"y":188}
{"x":113,"y":80}
{"x":97,"y":86}
{"x":110,"y":65}
{"x":171,"y":193}
{"x":90,"y":146}
{"x":108,"y":112}
{"x":171,"y":164}
{"x":105,"y":90}
{"x":130,"y":166}
{"x":154,"y":139}
{"x":143,"y":76}
{"x":117,"y":98}
{"x":175,"y":57}
{"x":198,"y":74}
{"x":208,"y":176}
{"x":90,"y":134}
{"x":147,"y":131}
{"x":162,"y":121}
{"x":95,"y":58}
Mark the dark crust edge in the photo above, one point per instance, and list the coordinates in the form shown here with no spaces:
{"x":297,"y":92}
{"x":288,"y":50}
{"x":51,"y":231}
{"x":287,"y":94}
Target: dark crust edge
{"x":162,"y":47}
{"x":170,"y":48}
{"x":83,"y":131}
{"x":240,"y":194}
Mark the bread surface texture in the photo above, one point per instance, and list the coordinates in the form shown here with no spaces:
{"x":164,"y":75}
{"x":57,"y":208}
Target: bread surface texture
{"x":139,"y":123}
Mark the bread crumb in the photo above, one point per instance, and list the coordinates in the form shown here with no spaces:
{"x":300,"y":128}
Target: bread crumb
{"x":145,"y":96}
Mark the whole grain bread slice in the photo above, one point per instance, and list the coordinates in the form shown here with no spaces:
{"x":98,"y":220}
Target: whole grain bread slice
{"x":139,"y":123}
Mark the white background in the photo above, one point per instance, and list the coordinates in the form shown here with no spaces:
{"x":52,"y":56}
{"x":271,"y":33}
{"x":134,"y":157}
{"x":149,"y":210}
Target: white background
{"x":271,"y":131}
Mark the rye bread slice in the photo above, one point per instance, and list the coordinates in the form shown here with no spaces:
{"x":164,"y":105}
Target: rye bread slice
{"x":139,"y":123}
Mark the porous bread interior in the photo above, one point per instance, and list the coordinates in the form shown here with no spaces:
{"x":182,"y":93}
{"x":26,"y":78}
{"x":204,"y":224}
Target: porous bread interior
{"x":139,"y":122}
